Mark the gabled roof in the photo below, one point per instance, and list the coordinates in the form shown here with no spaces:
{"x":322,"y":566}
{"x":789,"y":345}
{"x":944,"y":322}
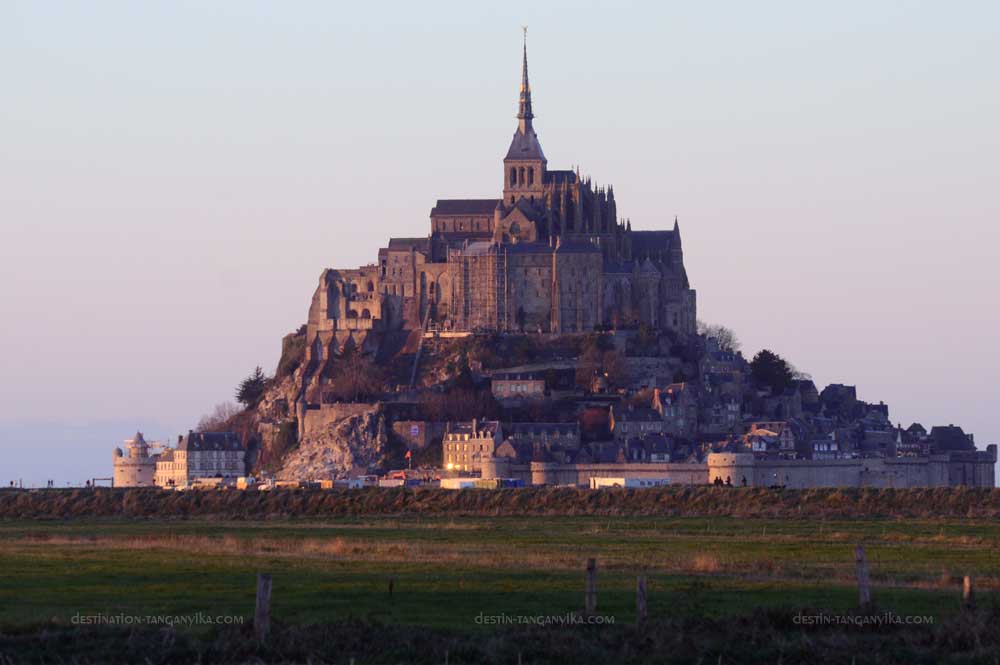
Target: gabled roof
{"x":464,"y":207}
{"x":210,"y":441}
{"x":488,"y":426}
{"x":560,"y":176}
{"x":950,"y":437}
{"x":401,"y":244}
{"x":549,"y":429}
{"x":646,"y":243}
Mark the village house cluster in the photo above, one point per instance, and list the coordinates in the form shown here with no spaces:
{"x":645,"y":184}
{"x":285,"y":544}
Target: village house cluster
{"x":203,"y":458}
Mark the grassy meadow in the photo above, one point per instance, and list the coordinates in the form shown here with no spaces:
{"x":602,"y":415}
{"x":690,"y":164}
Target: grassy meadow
{"x":445,"y":571}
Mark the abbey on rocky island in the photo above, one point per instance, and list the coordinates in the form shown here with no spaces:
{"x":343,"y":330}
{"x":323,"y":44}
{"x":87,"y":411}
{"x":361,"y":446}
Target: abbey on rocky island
{"x":550,"y":256}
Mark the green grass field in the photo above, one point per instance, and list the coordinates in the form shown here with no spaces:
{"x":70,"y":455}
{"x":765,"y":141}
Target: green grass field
{"x":447,"y":571}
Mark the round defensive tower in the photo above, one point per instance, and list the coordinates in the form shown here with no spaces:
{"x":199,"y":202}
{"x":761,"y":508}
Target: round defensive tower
{"x":134,"y":467}
{"x":543,"y":473}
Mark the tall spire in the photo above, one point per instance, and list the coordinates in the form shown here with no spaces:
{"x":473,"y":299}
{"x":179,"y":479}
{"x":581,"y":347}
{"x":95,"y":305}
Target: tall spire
{"x":524,"y":146}
{"x":524,"y":112}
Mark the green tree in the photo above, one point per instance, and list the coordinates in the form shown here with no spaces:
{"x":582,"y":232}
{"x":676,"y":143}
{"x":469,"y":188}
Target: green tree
{"x":251,"y":389}
{"x":769,"y":370}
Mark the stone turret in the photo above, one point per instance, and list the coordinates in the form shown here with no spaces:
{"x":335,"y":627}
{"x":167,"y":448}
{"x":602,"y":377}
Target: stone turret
{"x":134,"y":467}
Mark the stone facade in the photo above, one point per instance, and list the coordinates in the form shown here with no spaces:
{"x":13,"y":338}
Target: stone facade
{"x":517,"y":385}
{"x":200,"y":455}
{"x":135,"y":466}
{"x":465,"y":445}
{"x":550,"y":255}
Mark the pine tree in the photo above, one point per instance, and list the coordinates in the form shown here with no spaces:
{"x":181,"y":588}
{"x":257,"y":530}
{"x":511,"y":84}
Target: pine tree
{"x":251,"y":389}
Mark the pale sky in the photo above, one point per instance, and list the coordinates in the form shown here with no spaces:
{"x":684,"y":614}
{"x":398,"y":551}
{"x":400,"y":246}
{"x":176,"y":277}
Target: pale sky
{"x":174,"y":176}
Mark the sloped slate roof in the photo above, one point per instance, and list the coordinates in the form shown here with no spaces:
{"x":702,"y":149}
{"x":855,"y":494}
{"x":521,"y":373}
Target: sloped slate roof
{"x":420,"y":244}
{"x":464,"y":207}
{"x":210,"y":441}
{"x":650,"y":242}
{"x":560,"y":176}
{"x":525,"y":146}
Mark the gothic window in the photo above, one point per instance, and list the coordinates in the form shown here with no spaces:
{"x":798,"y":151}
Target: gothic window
{"x":531,"y":176}
{"x":371,"y":286}
{"x":513,"y":178}
{"x":352,"y":314}
{"x":520,"y":177}
{"x":365,"y":314}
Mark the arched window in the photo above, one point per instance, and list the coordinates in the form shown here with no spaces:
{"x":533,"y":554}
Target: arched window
{"x":352,"y":314}
{"x":531,"y":176}
{"x":365,"y":314}
{"x":520,"y":177}
{"x":371,"y":286}
{"x":513,"y":176}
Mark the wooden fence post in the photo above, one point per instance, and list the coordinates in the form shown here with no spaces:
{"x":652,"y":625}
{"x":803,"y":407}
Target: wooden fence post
{"x":968,"y":593}
{"x":262,"y":615}
{"x":864,"y":592}
{"x":640,"y":599}
{"x":590,"y":599}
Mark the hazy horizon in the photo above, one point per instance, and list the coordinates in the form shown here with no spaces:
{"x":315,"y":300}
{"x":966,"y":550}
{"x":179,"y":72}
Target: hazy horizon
{"x":175,"y":177}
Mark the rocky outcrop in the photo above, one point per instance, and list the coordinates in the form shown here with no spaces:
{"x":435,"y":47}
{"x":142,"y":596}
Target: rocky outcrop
{"x":338,"y":448}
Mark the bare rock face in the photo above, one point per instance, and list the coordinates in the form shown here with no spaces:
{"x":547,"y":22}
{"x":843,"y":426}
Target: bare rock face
{"x":338,"y":449}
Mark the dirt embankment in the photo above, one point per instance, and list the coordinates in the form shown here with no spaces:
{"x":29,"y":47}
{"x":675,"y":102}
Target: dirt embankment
{"x":931,"y":503}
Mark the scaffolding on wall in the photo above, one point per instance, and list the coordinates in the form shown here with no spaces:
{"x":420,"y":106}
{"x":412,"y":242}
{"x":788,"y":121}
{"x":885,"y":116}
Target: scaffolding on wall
{"x":484,"y":287}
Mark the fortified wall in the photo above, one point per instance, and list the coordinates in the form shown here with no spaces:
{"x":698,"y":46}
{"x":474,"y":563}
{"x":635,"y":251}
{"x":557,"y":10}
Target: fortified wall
{"x":973,"y":469}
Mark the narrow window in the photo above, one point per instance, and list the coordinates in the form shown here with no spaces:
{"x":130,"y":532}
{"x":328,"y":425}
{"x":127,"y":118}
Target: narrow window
{"x":531,"y":176}
{"x":513,"y":176}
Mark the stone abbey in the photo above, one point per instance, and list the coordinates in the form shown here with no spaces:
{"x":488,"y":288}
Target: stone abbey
{"x":550,"y":256}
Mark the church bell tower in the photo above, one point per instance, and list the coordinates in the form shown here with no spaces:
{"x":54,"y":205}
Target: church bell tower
{"x":524,"y":165}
